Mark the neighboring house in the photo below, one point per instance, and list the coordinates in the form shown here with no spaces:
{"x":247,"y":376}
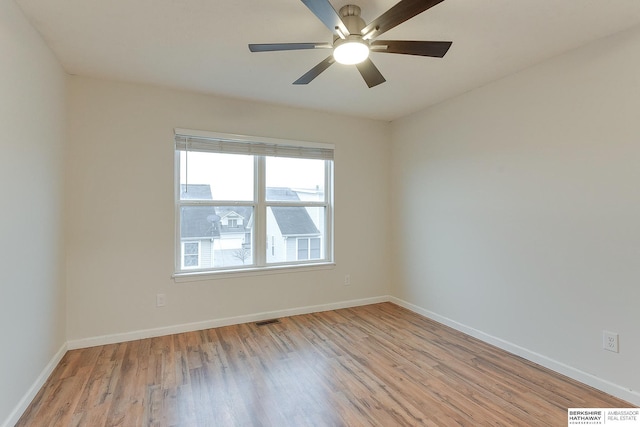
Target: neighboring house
{"x":220,"y":236}
{"x":213,"y":236}
{"x":292,"y":233}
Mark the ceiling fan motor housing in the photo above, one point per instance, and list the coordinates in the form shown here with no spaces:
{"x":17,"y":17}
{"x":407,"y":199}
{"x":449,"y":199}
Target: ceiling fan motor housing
{"x":350,"y":15}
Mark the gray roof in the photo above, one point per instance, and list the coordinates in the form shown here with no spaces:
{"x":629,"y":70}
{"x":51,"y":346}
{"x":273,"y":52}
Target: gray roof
{"x":199,"y":222}
{"x":195,"y":192}
{"x":292,"y":221}
{"x":281,"y":193}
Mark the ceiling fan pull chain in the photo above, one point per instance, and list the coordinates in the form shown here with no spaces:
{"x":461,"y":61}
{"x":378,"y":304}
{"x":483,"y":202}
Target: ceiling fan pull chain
{"x":186,"y":167}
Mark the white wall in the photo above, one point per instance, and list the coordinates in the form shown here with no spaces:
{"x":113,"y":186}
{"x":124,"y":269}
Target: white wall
{"x":517,"y":210}
{"x":120,"y":220}
{"x":32,"y":123}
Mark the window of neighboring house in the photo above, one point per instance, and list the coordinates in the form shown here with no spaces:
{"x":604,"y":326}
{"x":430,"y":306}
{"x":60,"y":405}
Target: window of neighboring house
{"x":264,"y":191}
{"x":190,"y":255}
{"x":309,"y":248}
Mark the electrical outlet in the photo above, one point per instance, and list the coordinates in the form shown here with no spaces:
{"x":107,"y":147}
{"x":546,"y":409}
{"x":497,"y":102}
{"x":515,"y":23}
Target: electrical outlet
{"x":347,"y":279}
{"x":610,"y":341}
{"x":161,"y":300}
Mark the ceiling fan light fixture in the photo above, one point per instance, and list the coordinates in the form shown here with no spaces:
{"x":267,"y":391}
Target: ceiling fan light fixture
{"x":352,"y":50}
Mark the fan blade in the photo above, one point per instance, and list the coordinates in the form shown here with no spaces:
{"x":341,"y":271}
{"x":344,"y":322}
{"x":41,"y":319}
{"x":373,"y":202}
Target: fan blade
{"x":271,"y":47}
{"x":327,"y":14}
{"x":410,"y":47}
{"x":402,"y":11}
{"x":370,"y":73}
{"x":315,"y":71}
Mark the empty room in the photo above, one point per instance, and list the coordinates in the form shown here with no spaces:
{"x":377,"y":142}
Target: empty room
{"x":246,"y":213}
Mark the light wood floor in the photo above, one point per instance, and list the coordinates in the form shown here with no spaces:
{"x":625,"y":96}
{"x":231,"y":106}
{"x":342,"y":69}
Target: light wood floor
{"x":377,"y":365}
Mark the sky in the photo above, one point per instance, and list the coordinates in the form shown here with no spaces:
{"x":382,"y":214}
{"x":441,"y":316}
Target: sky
{"x":231,"y":176}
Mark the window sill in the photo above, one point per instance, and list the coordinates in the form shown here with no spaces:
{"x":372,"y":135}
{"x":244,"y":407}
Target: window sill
{"x":247,"y":272}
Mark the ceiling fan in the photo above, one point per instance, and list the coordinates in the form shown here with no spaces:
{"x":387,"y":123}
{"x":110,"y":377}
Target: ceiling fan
{"x":353,"y":39}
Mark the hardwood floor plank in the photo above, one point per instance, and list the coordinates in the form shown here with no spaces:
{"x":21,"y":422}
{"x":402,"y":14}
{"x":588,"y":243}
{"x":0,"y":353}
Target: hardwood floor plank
{"x":376,"y":365}
{"x":153,"y":408}
{"x":128,"y":397}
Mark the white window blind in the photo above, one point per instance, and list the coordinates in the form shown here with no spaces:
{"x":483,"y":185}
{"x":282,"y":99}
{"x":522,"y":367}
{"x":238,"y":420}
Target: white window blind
{"x":192,"y":140}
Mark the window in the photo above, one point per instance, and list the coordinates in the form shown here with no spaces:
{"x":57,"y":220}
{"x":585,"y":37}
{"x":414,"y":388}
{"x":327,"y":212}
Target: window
{"x":190,"y":255}
{"x":309,"y":248}
{"x":251,"y":203}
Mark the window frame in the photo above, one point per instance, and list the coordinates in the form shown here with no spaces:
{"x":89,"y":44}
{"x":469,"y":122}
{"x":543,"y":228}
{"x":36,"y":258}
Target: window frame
{"x":260,"y":245}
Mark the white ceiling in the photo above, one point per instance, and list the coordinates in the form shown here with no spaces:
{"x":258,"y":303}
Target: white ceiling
{"x":201,"y":45}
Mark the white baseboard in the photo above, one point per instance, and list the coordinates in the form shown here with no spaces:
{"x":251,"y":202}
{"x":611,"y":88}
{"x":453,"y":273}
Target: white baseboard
{"x":24,"y":403}
{"x":216,"y":323}
{"x":613,"y":389}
